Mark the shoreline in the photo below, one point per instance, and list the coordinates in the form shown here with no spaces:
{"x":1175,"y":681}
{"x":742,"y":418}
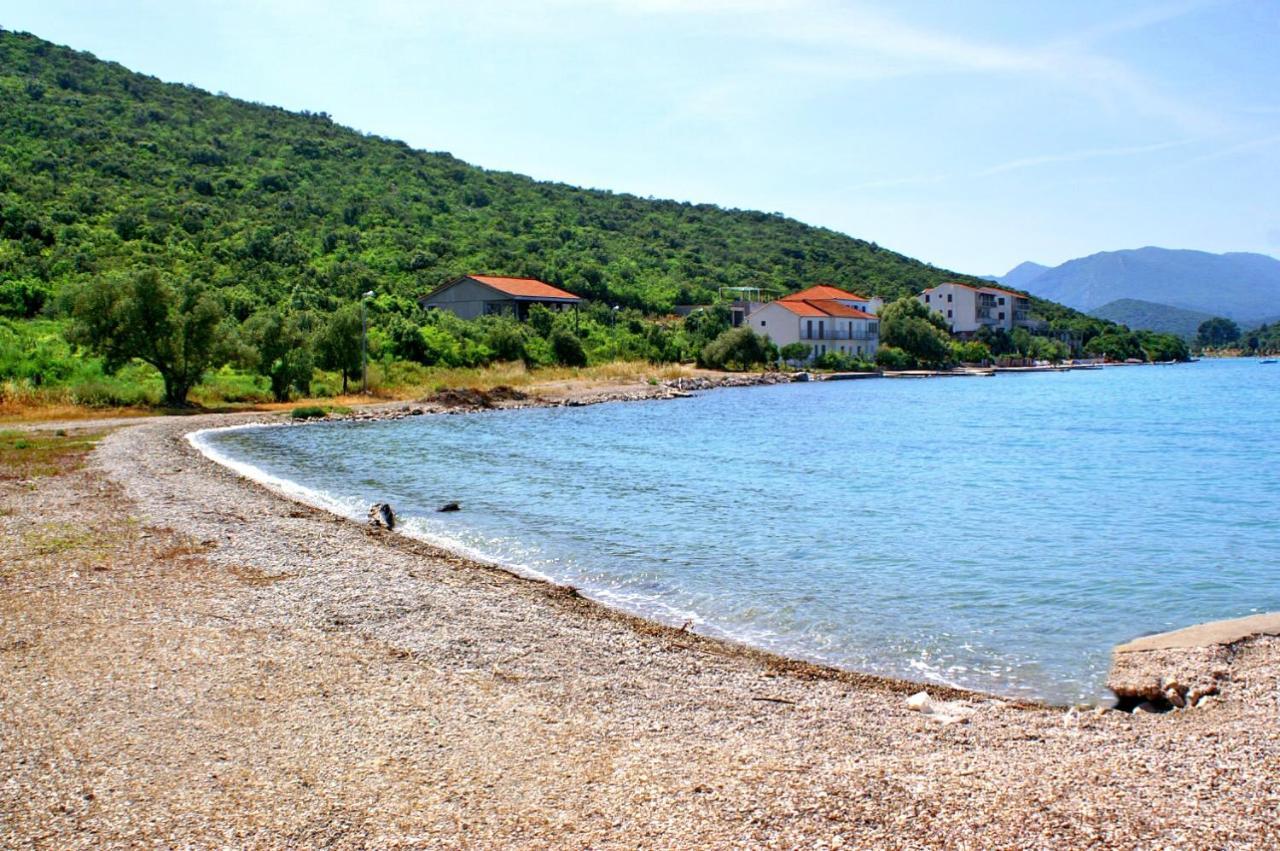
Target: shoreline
{"x":266,"y":673}
{"x":293,"y":493}
{"x":1120,"y":677}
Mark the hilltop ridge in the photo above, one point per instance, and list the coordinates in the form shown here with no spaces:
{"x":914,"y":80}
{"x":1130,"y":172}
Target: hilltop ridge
{"x":1239,"y":285}
{"x":104,"y":169}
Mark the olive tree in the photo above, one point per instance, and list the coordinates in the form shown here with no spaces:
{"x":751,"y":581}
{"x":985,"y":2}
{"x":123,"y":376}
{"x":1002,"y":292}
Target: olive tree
{"x":280,"y":351}
{"x":178,"y":329}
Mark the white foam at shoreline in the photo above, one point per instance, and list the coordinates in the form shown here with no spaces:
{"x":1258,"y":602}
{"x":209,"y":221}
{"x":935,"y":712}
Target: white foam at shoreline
{"x":647,"y":606}
{"x":644,"y":606}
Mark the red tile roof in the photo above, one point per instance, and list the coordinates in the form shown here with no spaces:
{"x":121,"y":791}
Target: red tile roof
{"x":523,"y":287}
{"x":822,"y":307}
{"x":981,"y":289}
{"x":822,"y":291}
{"x":1004,"y":292}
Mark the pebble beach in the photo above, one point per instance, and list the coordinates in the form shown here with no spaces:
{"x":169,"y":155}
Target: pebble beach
{"x":192,"y":660}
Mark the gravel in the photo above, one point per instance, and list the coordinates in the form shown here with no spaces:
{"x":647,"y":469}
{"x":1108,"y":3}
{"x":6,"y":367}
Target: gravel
{"x":197,"y":661}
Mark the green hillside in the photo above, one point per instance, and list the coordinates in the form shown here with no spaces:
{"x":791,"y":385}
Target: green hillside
{"x":103,"y":169}
{"x":200,"y":238}
{"x":1149,"y":316}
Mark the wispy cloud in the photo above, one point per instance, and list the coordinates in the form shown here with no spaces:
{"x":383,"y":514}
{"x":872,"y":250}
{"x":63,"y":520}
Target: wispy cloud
{"x":1026,"y":163}
{"x":1234,"y":150}
{"x":843,"y":41}
{"x":1080,"y":156}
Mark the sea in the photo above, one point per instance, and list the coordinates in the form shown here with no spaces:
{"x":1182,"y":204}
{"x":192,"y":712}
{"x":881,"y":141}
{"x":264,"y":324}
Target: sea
{"x":994,"y":533}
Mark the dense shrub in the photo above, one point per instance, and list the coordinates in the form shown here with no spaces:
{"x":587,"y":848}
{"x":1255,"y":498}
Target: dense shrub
{"x":738,"y":348}
{"x":893,"y":358}
{"x":567,"y":349}
{"x":22,"y":298}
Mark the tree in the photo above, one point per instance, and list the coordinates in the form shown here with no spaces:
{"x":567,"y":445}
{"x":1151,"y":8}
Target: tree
{"x":1044,"y":348}
{"x":738,"y":348}
{"x":337,"y":345}
{"x":973,"y":351}
{"x":280,"y":351}
{"x":1116,"y":344}
{"x":909,"y":325}
{"x":22,"y":298}
{"x":1216,"y":333}
{"x":794,"y":352}
{"x":1164,"y":347}
{"x":176,"y":329}
{"x":891,"y":358}
{"x":566,"y":348}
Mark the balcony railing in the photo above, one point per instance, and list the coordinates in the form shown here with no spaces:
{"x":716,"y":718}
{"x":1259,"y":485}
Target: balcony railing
{"x":838,"y":334}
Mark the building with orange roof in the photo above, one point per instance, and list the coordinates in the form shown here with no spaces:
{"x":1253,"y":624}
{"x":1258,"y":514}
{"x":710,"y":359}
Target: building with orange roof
{"x":968,"y":308}
{"x":471,"y":296}
{"x":824,"y":318}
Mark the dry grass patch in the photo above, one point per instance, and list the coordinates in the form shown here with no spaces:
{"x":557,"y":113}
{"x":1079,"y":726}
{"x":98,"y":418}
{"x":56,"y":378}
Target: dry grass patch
{"x":57,"y":538}
{"x":29,"y":455}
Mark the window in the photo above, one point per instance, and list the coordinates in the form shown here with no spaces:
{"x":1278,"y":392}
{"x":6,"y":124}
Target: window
{"x":948,"y":314}
{"x":948,"y":296}
{"x":808,"y":328}
{"x":926,"y":298}
{"x":821,"y":323}
{"x":1000,"y":301}
{"x":763,"y":323}
{"x":1001,"y":316}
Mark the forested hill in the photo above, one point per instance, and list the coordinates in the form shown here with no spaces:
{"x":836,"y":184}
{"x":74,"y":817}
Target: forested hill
{"x":103,"y":169}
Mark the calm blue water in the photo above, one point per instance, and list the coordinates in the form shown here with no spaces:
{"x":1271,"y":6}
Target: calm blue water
{"x":997,"y":533}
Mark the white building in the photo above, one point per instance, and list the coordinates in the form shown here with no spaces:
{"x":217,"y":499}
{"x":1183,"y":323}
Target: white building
{"x":967,"y":308}
{"x":824,"y":318}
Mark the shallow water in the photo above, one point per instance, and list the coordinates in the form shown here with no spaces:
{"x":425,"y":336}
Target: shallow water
{"x":995,"y":533}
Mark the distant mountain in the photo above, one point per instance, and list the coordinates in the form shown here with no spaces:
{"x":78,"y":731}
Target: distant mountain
{"x":1019,"y":276}
{"x":1149,"y":316}
{"x":1243,"y":287}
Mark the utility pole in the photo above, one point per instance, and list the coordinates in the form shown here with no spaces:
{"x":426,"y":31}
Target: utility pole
{"x":364,"y":342}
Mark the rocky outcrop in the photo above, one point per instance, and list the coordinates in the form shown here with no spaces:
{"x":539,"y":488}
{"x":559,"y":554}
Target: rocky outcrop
{"x":1182,"y":669}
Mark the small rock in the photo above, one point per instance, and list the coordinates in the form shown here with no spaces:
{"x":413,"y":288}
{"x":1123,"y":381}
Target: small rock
{"x":450,"y":506}
{"x":919,"y":702}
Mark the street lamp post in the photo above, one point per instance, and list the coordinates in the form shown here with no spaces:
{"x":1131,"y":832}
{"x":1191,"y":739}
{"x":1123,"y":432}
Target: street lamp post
{"x":364,"y":342}
{"x":614,"y":327}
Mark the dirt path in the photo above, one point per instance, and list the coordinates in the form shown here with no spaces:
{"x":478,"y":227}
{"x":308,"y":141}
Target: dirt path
{"x":190,"y":660}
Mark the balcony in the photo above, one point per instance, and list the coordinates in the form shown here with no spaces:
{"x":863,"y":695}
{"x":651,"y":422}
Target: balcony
{"x":838,"y":334}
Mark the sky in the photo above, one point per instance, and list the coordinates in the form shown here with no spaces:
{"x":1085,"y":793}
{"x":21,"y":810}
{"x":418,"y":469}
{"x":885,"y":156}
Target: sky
{"x":972,"y":134}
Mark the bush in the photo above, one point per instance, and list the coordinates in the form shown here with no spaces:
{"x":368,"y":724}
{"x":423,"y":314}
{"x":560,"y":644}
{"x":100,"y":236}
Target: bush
{"x":794,"y":352}
{"x":841,"y":362}
{"x":974,"y":351}
{"x":23,"y":298}
{"x":308,"y":412}
{"x":567,"y":349}
{"x":893,"y":358}
{"x":738,"y":348}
